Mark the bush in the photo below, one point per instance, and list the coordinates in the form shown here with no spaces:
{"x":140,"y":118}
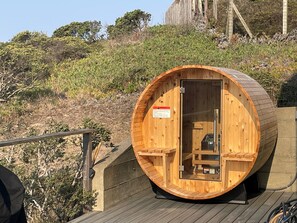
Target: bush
{"x":65,"y":48}
{"x":52,"y":176}
{"x":21,"y":66}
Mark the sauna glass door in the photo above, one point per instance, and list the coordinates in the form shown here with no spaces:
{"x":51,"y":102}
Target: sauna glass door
{"x":200,"y":129}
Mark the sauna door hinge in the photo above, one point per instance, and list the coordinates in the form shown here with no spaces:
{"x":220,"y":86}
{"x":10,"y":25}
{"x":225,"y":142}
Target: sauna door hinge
{"x":182,"y":90}
{"x":181,"y":168}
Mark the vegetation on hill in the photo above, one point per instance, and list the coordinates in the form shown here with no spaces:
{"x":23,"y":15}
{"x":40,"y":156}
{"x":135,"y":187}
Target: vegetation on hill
{"x":70,"y":66}
{"x":128,"y":66}
{"x":77,"y":61}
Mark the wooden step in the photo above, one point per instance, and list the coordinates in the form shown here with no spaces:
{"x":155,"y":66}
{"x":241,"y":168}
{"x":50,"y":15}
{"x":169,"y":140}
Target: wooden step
{"x":206,"y":152}
{"x":165,"y":153}
{"x":156,"y":151}
{"x":206,"y":162}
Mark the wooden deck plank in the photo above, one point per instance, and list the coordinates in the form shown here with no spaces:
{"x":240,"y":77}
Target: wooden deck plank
{"x":209,"y":215}
{"x":119,"y":212}
{"x":187,"y":213}
{"x":199,"y":213}
{"x":144,"y":207}
{"x":166,"y":211}
{"x":129,"y":204}
{"x":177,"y":212}
{"x":155,"y":205}
{"x":151,"y":211}
{"x":285,"y":197}
{"x":129,"y":201}
{"x":294,"y":196}
{"x":261,"y":212}
{"x":223,"y":213}
{"x":239,"y":210}
{"x":138,"y":210}
{"x":246,"y":215}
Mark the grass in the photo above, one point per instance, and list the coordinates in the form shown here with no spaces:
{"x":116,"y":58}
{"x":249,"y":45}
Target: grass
{"x":128,"y":65}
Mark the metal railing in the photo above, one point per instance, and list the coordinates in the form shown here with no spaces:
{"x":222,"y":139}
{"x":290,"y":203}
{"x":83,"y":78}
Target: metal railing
{"x":87,"y":149}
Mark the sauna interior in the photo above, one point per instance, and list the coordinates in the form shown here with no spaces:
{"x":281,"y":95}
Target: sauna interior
{"x":199,"y":131}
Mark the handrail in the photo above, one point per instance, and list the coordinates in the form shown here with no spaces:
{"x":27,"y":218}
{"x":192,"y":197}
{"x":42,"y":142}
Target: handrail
{"x":12,"y":142}
{"x":87,"y":149}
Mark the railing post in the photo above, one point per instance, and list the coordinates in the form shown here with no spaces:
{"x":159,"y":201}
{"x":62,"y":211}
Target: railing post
{"x":87,"y":161}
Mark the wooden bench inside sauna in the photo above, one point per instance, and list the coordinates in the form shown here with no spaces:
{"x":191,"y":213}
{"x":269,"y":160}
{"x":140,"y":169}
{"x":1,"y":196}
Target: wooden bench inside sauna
{"x":199,"y":131}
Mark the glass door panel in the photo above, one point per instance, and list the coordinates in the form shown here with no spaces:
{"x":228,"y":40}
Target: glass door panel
{"x":200,"y":129}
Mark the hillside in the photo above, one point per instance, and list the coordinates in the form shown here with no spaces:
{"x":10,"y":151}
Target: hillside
{"x":102,"y":80}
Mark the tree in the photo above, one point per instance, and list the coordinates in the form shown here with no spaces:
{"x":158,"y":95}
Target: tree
{"x":134,"y":21}
{"x":28,"y":37}
{"x":87,"y":31}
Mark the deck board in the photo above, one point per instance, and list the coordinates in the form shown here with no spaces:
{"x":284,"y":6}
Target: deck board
{"x":182,"y":217}
{"x":179,"y":211}
{"x":248,"y":213}
{"x":141,"y":208}
{"x":144,"y":207}
{"x":165,"y":212}
{"x":214,"y":211}
{"x":239,"y":210}
{"x":285,"y":197}
{"x":199,"y":213}
{"x":265,"y":207}
{"x":151,"y":211}
{"x":116,"y":212}
{"x":223,"y":213}
{"x":146,"y":211}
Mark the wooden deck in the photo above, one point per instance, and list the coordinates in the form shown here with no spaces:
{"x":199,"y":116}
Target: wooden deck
{"x":144,"y":207}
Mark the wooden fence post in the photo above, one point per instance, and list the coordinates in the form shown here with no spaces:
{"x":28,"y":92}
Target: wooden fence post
{"x":205,"y":11}
{"x":285,"y":17}
{"x":87,"y":161}
{"x":215,"y":9}
{"x":230,"y":20}
{"x":200,"y":7}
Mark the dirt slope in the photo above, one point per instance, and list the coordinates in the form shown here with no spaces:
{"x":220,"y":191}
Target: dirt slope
{"x":114,"y":113}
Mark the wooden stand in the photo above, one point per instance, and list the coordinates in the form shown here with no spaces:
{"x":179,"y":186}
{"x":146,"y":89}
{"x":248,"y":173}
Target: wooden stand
{"x":164,"y":153}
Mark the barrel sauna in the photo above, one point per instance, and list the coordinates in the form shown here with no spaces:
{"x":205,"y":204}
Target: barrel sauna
{"x":199,"y":131}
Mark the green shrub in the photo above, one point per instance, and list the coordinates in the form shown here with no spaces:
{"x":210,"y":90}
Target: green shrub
{"x":52,"y":174}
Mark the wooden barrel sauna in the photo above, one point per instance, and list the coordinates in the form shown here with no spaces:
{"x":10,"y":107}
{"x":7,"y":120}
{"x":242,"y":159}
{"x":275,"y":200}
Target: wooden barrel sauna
{"x":199,"y":131}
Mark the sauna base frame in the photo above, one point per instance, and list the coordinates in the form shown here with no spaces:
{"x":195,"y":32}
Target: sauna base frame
{"x":238,"y":195}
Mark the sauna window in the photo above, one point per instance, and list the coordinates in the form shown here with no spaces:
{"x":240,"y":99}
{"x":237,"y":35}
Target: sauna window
{"x":200,"y":129}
